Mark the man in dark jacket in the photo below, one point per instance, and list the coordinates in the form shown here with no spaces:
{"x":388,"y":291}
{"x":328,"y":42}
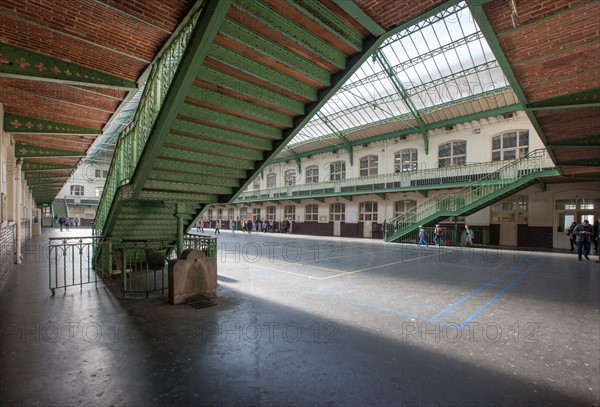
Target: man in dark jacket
{"x":582,"y":233}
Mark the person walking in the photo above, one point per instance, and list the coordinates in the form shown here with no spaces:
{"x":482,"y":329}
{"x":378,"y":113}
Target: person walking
{"x":582,"y":234}
{"x":233,"y":228}
{"x":422,"y":237}
{"x":218,"y":227}
{"x":571,"y":236}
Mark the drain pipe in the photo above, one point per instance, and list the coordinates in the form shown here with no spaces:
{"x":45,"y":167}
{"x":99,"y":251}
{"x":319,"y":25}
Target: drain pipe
{"x":19,"y":193}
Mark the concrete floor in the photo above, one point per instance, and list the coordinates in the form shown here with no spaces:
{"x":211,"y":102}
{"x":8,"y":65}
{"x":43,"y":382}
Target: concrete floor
{"x":305,"y":321}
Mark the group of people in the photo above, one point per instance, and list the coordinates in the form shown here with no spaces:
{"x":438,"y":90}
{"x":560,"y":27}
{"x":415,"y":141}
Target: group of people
{"x":438,"y":233}
{"x":65,"y":222}
{"x":248,"y":226}
{"x":581,"y":237}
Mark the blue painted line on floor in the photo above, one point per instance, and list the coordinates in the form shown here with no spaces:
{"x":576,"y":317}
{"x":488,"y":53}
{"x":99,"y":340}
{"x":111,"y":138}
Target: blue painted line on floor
{"x":466,"y":297}
{"x":505,"y":289}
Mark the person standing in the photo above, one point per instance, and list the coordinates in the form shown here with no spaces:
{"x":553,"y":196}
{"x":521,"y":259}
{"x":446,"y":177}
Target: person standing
{"x":218,"y":227}
{"x":582,"y":233}
{"x":437,"y":235}
{"x":571,"y":236}
{"x":468,"y":234}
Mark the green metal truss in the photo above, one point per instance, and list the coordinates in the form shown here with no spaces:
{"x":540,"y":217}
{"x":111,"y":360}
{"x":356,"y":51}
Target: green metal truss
{"x":22,"y":124}
{"x":23,"y":64}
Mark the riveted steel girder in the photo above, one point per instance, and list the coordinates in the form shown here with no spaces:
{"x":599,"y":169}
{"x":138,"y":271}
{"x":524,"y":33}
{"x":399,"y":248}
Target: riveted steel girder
{"x":23,"y":64}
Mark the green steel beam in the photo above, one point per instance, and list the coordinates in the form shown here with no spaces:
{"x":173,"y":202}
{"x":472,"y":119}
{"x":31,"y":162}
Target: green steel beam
{"x":14,"y":123}
{"x":25,"y":151}
{"x":212,"y":146}
{"x":292,"y":30}
{"x":318,"y":12}
{"x":486,"y":28}
{"x":578,"y":100}
{"x":182,"y":187}
{"x":224,"y":101}
{"x":345,"y":142}
{"x":177,"y":197}
{"x":422,"y":192}
{"x":30,"y":175}
{"x":22,"y":64}
{"x":203,"y":158}
{"x":260,"y":71}
{"x":381,"y":196}
{"x":589,"y":142}
{"x":275,"y":51}
{"x":360,"y":17}
{"x":347,"y":197}
{"x":221,"y":135}
{"x":318,"y":199}
{"x":296,"y":158}
{"x":542,"y":184}
{"x":409,"y":131}
{"x":219,"y":170}
{"x":249,"y":89}
{"x":202,"y":179}
{"x":32,"y":166}
{"x":203,"y":35}
{"x":385,"y":64}
{"x":585,"y":162}
{"x":232,"y":122}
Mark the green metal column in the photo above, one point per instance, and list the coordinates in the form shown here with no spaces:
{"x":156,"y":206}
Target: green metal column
{"x":179,"y":231}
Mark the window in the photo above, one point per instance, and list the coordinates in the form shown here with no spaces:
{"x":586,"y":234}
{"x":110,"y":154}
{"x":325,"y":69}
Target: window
{"x":289,"y":212}
{"x":406,"y":160}
{"x":98,"y":173}
{"x":511,"y":145}
{"x":77,"y":190}
{"x":337,"y":211}
{"x":367,"y":211}
{"x":220,"y":214}
{"x":369,"y":165}
{"x":312,"y":174}
{"x":209,"y":214}
{"x":403,"y":206}
{"x":311,"y":213}
{"x":255,"y":214}
{"x":289,"y":178}
{"x":104,"y":173}
{"x":337,"y":171}
{"x":243,"y":212}
{"x":271,"y":213}
{"x":271,"y":180}
{"x":452,"y":154}
{"x":231,"y":214}
{"x":99,"y":191}
{"x":256,"y":183}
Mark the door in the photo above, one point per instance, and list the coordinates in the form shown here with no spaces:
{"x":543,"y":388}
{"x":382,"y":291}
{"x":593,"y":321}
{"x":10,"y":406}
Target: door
{"x":337,"y":228}
{"x":368,"y":229}
{"x":508,"y":234}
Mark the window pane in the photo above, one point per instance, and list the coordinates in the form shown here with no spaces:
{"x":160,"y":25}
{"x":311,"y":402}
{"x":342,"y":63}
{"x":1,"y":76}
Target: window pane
{"x":510,"y":154}
{"x":496,"y":143}
{"x":460,"y":147}
{"x":444,"y":150}
{"x":509,"y":140}
{"x":496,"y":156}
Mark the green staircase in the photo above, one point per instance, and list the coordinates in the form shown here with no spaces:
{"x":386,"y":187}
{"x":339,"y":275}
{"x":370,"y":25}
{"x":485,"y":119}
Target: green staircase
{"x":60,"y":208}
{"x":233,"y":87}
{"x":492,"y":188}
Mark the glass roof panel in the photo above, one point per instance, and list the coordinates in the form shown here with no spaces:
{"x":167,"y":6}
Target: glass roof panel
{"x":439,"y":60}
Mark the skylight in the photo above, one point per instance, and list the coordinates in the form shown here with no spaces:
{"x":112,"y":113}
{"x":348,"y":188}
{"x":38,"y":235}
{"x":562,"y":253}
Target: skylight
{"x":441,"y":60}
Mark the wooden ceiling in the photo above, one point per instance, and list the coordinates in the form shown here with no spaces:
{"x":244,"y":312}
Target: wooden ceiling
{"x":67,"y":66}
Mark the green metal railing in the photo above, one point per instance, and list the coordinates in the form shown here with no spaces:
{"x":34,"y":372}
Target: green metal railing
{"x":71,"y":261}
{"x":429,"y":177}
{"x":133,"y":138}
{"x":469,"y":198}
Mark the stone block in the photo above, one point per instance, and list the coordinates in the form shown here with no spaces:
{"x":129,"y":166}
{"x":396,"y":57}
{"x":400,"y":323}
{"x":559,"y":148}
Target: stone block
{"x":193,"y":277}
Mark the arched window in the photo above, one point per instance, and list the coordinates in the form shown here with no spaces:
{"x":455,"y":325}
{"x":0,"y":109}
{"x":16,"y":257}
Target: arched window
{"x":311,"y":213}
{"x":77,"y":190}
{"x":220,"y":214}
{"x":337,"y":211}
{"x":289,"y":212}
{"x":255,"y":214}
{"x":337,"y":171}
{"x":403,"y":206}
{"x":510,"y":145}
{"x":289,"y":178}
{"x":209,"y":214}
{"x":367,"y":211}
{"x":271,"y":213}
{"x":312,"y":174}
{"x":406,"y":160}
{"x":369,"y":165}
{"x":271,"y":180}
{"x":452,"y":154}
{"x":231,"y":214}
{"x":243,"y":212}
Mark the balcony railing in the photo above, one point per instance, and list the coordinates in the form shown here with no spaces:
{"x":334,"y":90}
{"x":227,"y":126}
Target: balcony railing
{"x":420,"y":179}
